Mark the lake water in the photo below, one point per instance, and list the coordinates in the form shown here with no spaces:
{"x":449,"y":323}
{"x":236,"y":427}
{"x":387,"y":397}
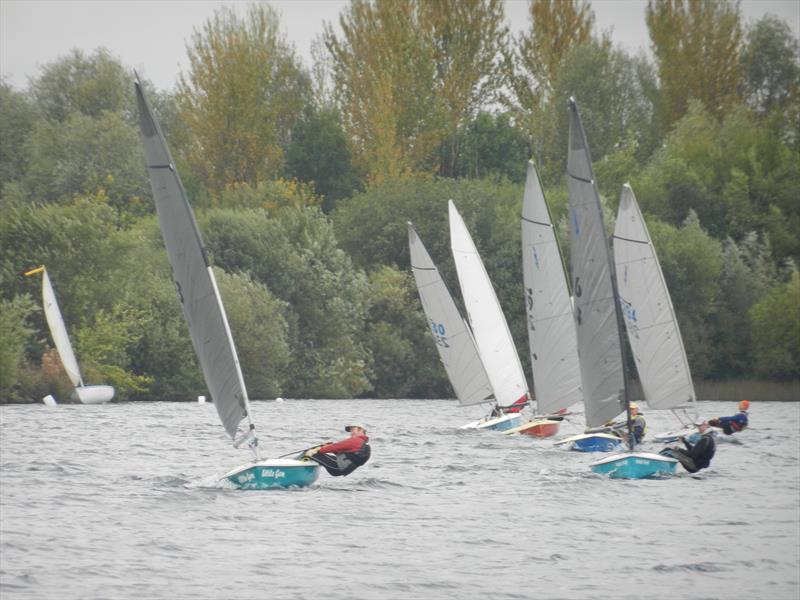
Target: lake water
{"x":121,"y":501}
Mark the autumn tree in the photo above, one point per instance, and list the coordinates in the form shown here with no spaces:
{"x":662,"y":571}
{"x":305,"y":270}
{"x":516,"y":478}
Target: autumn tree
{"x":244,"y":90}
{"x":696,"y":44}
{"x":533,"y":65}
{"x":407,"y":73}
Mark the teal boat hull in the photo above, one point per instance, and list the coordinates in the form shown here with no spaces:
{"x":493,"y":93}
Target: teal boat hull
{"x":635,"y":465}
{"x":277,"y":473}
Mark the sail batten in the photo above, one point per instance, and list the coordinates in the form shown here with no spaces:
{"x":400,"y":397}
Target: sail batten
{"x":551,"y":327}
{"x":194,"y":278}
{"x":489,"y":327}
{"x":450,"y":332}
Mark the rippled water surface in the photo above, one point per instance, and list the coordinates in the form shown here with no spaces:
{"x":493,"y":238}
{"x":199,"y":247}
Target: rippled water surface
{"x":121,"y":501}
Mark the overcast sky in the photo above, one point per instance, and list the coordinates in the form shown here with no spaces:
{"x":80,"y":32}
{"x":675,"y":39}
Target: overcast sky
{"x":151,"y":35}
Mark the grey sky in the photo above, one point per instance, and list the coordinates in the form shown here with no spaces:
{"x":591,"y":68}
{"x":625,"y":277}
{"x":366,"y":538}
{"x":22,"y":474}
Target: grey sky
{"x":151,"y":35}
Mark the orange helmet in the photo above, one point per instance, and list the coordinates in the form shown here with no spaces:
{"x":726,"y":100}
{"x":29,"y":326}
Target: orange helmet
{"x":744,"y":404}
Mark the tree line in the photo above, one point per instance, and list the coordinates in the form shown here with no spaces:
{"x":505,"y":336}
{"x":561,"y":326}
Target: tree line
{"x":303,"y":179}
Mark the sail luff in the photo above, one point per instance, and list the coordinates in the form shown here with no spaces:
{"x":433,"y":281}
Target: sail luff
{"x":553,"y":344}
{"x":58,"y":331}
{"x":597,"y":319}
{"x":489,"y":326}
{"x":449,"y":330}
{"x":649,"y":314}
{"x":194,"y":278}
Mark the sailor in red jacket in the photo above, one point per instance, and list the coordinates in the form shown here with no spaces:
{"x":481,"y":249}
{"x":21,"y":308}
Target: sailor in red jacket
{"x":344,"y":457}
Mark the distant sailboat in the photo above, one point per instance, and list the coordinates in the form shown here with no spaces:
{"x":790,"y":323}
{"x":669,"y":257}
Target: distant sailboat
{"x":597,"y":313}
{"x":205,"y":315}
{"x":85,"y":394}
{"x":650,"y":319}
{"x":450,"y":332}
{"x":492,"y":336}
{"x":551,"y":327}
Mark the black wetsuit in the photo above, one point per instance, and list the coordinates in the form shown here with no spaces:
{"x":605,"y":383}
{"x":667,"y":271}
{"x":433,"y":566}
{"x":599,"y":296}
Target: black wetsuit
{"x":343,"y":463}
{"x":695,"y":456}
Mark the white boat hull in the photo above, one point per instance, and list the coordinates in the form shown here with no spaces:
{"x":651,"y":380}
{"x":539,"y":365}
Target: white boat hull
{"x":501,"y":423}
{"x":92,"y":394}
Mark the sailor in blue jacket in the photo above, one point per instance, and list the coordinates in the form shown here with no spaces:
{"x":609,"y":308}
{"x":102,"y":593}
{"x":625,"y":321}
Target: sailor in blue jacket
{"x":737,"y":422}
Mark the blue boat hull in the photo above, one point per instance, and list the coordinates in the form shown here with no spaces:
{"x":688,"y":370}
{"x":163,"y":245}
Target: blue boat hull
{"x":596,"y":443}
{"x":635,"y":465}
{"x":277,"y":473}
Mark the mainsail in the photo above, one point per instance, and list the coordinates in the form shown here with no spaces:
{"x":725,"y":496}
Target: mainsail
{"x":193,"y":276}
{"x":647,"y":307}
{"x":495,"y":345}
{"x":551,"y":326}
{"x":451,"y":333}
{"x":57,"y":329}
{"x":596,"y":318}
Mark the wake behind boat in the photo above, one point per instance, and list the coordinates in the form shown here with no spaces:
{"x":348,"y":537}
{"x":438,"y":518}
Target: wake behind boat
{"x":205,"y":315}
{"x":85,"y":394}
{"x":598,"y":320}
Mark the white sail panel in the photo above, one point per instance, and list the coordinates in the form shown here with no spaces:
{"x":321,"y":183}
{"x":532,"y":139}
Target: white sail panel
{"x":647,"y":308}
{"x":59,"y":331}
{"x":194,"y":279}
{"x":451,"y":334}
{"x":495,"y":345}
{"x":551,"y":327}
{"x":599,"y":343}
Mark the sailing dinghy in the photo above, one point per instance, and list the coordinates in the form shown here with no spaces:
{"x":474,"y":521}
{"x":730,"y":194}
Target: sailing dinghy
{"x":551,"y":328}
{"x":490,"y":330}
{"x":650,"y":320}
{"x":451,"y":333}
{"x":205,"y":315}
{"x":85,"y":394}
{"x":598,"y":320}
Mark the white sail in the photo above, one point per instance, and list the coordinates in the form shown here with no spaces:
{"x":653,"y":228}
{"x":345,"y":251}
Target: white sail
{"x":59,"y":331}
{"x":193,"y":276}
{"x":596,"y":319}
{"x":450,"y":332}
{"x":495,"y":346}
{"x":647,"y":308}
{"x":551,"y":326}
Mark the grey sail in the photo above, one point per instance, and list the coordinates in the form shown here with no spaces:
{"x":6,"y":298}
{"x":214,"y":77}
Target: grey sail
{"x":551,"y":327}
{"x":193,"y":277}
{"x":650,"y":319}
{"x":596,"y":317}
{"x":450,"y":332}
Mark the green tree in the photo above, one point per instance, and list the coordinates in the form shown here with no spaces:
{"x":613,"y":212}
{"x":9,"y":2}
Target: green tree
{"x":244,"y":90}
{"x":696,"y":45}
{"x":16,"y":333}
{"x":259,"y":330}
{"x":86,"y":85}
{"x":492,"y":145}
{"x":319,"y":153}
{"x":776,"y":331}
{"x":770,"y":65}
{"x":296,"y":255}
{"x":17,"y":119}
{"x":85,"y":156}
